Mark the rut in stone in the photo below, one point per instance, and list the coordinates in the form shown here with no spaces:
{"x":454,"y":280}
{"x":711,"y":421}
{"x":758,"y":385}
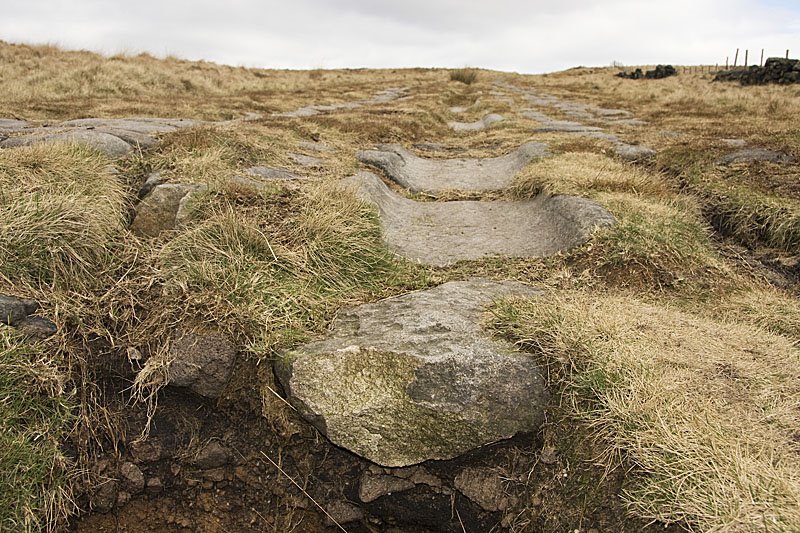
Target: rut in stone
{"x":442,"y":233}
{"x":420,"y":174}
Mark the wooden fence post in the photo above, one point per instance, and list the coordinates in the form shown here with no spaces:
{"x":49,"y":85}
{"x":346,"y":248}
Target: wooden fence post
{"x":762,"y":58}
{"x":787,"y":54}
{"x":746,"y":53}
{"x":736,"y":58}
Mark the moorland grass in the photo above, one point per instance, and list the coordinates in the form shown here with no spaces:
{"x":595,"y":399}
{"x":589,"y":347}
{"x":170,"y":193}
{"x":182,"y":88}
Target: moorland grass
{"x":704,"y":413}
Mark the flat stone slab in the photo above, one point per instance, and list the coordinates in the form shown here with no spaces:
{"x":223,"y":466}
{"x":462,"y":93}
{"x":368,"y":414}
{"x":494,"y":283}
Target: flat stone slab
{"x":114,"y":137}
{"x":442,"y":233}
{"x":272,"y":173}
{"x":164,"y":208}
{"x":308,"y":161}
{"x":435,"y":175}
{"x":754,"y":154}
{"x":382,"y":97}
{"x":415,"y":378}
{"x":550,"y":124}
{"x":482,"y":124}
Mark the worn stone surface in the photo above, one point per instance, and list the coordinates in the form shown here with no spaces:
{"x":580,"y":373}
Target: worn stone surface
{"x":306,"y":160}
{"x":106,"y":143}
{"x":549,"y":124}
{"x":381,"y":97}
{"x":432,"y":175}
{"x":441,"y":233}
{"x":481,"y":124}
{"x":164,"y":208}
{"x":37,"y":327}
{"x":754,"y":154}
{"x":132,"y":477}
{"x":343,"y":512}
{"x":201,"y":362}
{"x":415,"y":377}
{"x":272,"y":173}
{"x":14,"y":310}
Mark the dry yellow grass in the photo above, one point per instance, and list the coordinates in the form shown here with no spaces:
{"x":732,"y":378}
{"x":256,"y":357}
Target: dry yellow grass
{"x":705,"y":412}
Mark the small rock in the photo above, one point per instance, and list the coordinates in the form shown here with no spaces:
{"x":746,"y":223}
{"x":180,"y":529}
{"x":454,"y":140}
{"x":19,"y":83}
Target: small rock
{"x":214,"y":474}
{"x":306,"y":160}
{"x":164,"y":208}
{"x":153,"y":485}
{"x":374,"y":486}
{"x":148,"y":451}
{"x":123,"y":498}
{"x":213,"y":455}
{"x":342,"y":512}
{"x":484,"y":487}
{"x":153,"y":180}
{"x":36,"y":327}
{"x":202,"y":362}
{"x":104,"y":496}
{"x":14,"y":310}
{"x":132,"y":477}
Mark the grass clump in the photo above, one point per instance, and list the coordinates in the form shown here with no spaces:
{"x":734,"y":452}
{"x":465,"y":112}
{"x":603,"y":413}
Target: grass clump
{"x":274,"y":283}
{"x":465,"y":75}
{"x":35,"y":409}
{"x":59,"y":207}
{"x":706,"y":412}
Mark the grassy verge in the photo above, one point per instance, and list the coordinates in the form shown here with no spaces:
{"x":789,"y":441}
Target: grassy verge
{"x":708,"y":418}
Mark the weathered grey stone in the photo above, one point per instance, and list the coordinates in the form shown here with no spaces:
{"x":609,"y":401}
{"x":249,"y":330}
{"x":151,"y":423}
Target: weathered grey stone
{"x":103,"y":497}
{"x":754,"y":154}
{"x":12,"y":124}
{"x":457,"y":109}
{"x":414,"y":378}
{"x":441,"y":233}
{"x":153,"y":179}
{"x":106,"y":143}
{"x":436,"y":175}
{"x":272,"y":173}
{"x":373,"y":486}
{"x":381,"y":97}
{"x":146,"y":126}
{"x":164,"y":208}
{"x":202,"y":362}
{"x":549,"y":124}
{"x":481,"y":124}
{"x":315,"y":146}
{"x":37,"y":327}
{"x":484,"y":487}
{"x":14,"y":310}
{"x":306,"y":160}
{"x":633,"y":152}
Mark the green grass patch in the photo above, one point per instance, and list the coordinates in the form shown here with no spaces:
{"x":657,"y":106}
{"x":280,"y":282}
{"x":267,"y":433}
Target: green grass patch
{"x":35,"y":413}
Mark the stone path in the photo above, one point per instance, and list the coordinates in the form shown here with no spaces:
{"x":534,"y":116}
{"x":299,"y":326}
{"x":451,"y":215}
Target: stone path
{"x":113,"y":137}
{"x":420,"y":174}
{"x":624,"y":150}
{"x":383,"y":97}
{"x":415,"y":378}
{"x":442,"y":233}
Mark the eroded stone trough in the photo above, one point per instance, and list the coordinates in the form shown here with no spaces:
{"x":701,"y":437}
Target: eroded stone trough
{"x":420,"y":174}
{"x":442,"y":233}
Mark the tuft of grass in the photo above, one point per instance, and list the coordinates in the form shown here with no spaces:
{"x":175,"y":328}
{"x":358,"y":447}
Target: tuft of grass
{"x":706,"y":412}
{"x":464,"y":75}
{"x":585,"y":173}
{"x":35,"y":412}
{"x":657,"y":243}
{"x":273,"y":285}
{"x":765,"y":307}
{"x":59,"y":207}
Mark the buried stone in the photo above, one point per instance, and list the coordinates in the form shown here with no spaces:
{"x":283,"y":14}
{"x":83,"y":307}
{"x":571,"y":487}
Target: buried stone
{"x":414,"y":378}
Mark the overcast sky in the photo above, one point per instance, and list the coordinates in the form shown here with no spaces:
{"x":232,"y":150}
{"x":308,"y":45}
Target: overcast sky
{"x":514,"y":35}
